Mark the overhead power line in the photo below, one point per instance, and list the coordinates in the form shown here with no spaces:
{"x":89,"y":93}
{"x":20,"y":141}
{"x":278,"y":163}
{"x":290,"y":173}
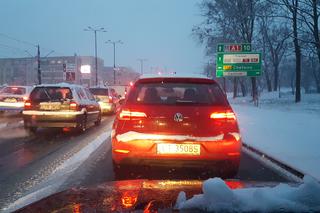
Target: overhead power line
{"x":17,"y":40}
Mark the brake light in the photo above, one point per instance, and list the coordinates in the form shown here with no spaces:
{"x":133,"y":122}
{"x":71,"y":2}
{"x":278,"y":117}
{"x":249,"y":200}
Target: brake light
{"x":110,"y":99}
{"x":73,"y":106}
{"x":27,"y":104}
{"x":127,"y":115}
{"x":25,"y":98}
{"x":223,"y":115}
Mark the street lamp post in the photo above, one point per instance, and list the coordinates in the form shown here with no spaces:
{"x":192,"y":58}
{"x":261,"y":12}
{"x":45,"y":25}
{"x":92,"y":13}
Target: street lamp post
{"x":95,"y":30}
{"x":141,"y":64}
{"x":114,"y":57}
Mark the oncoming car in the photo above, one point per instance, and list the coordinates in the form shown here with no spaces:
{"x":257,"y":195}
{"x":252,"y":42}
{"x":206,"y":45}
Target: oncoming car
{"x":12,"y":98}
{"x":107,"y":99}
{"x":177,"y":122}
{"x":61,"y":105}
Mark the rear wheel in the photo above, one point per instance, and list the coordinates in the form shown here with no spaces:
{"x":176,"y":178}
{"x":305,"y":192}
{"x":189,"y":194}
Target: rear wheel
{"x":231,"y":170}
{"x":82,"y":126}
{"x":98,"y":121}
{"x":32,"y":130}
{"x":116,"y":170}
{"x":28,"y":128}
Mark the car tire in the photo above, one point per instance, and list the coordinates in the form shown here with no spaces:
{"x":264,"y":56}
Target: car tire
{"x":98,"y":121}
{"x":32,"y":130}
{"x":28,"y":128}
{"x":116,"y":170}
{"x":230,"y":174}
{"x":231,"y":170}
{"x":82,"y":126}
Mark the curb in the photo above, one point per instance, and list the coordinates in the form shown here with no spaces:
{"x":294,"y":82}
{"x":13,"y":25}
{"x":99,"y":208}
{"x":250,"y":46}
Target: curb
{"x":284,"y":169}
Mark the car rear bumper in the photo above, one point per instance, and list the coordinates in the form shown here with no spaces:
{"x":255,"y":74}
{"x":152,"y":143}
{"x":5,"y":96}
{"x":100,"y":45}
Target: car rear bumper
{"x":144,"y":152}
{"x":182,"y":163}
{"x":7,"y":106}
{"x":51,"y":119}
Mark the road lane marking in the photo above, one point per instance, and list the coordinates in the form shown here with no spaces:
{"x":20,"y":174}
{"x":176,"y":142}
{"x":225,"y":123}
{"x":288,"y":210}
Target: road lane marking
{"x":61,"y":174}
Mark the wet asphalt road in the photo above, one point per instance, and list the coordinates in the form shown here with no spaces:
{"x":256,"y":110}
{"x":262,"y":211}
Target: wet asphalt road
{"x":26,"y":160}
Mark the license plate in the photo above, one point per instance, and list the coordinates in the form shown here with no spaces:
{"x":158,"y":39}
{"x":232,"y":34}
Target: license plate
{"x":185,"y":149}
{"x":10,"y":100}
{"x":50,"y":106}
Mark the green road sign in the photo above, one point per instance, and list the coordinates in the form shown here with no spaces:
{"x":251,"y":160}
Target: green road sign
{"x":238,"y":64}
{"x":226,"y":48}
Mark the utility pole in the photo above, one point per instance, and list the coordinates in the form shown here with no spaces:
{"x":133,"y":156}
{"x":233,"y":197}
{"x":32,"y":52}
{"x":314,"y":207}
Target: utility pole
{"x":141,"y":64}
{"x":95,"y":30}
{"x":38,"y":61}
{"x":38,"y":58}
{"x":114,"y":57}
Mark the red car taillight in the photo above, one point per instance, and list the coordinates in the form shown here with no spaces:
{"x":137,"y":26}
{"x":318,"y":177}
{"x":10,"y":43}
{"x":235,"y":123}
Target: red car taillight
{"x":27,"y":105}
{"x":131,"y":115}
{"x":225,"y":120}
{"x":74,"y":106}
{"x":223,"y":116}
{"x":110,"y":99}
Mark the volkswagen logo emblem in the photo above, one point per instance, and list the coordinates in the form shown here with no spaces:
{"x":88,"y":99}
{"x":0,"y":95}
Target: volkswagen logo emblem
{"x":178,"y":117}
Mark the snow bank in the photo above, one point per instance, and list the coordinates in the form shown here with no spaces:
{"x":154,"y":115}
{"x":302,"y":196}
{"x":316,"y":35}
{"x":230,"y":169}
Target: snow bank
{"x":282,"y":129}
{"x":217,"y":196}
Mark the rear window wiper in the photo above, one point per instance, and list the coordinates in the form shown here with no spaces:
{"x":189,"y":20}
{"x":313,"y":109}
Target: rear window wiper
{"x":47,"y":94}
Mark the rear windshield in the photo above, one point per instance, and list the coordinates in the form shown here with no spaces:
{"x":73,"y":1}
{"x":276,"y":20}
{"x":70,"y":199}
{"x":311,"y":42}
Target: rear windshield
{"x":47,"y":94}
{"x":99,"y":91}
{"x":177,"y":94}
{"x":14,"y":90}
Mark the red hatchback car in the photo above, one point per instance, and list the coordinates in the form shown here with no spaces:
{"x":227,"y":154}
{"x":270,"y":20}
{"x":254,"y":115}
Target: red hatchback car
{"x":177,"y":122}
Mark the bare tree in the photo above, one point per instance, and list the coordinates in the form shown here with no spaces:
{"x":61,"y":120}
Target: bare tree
{"x":275,"y":36}
{"x":292,"y":7}
{"x":228,"y":21}
{"x":310,"y":12}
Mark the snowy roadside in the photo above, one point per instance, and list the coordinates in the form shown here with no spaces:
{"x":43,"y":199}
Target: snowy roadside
{"x":283,"y":130}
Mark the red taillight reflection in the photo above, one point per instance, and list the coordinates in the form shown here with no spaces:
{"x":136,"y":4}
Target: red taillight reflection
{"x":127,"y":115}
{"x":129,"y":199}
{"x":73,"y":106}
{"x":233,"y":184}
{"x":223,"y":115}
{"x":27,"y":104}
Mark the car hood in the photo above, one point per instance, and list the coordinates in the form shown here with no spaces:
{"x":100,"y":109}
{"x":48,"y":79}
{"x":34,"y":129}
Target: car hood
{"x":127,"y":195}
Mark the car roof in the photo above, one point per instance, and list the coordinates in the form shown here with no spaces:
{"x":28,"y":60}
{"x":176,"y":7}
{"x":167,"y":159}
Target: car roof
{"x":175,"y":78}
{"x":99,"y":87}
{"x":27,"y":87}
{"x":171,"y":75}
{"x":60,"y":85}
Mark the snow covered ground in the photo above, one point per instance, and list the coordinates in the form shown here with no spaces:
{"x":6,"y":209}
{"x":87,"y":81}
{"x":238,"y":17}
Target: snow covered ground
{"x":218,"y":197}
{"x":283,"y":130}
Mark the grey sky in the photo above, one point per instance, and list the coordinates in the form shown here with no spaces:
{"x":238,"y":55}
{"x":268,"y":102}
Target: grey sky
{"x":159,"y":30}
